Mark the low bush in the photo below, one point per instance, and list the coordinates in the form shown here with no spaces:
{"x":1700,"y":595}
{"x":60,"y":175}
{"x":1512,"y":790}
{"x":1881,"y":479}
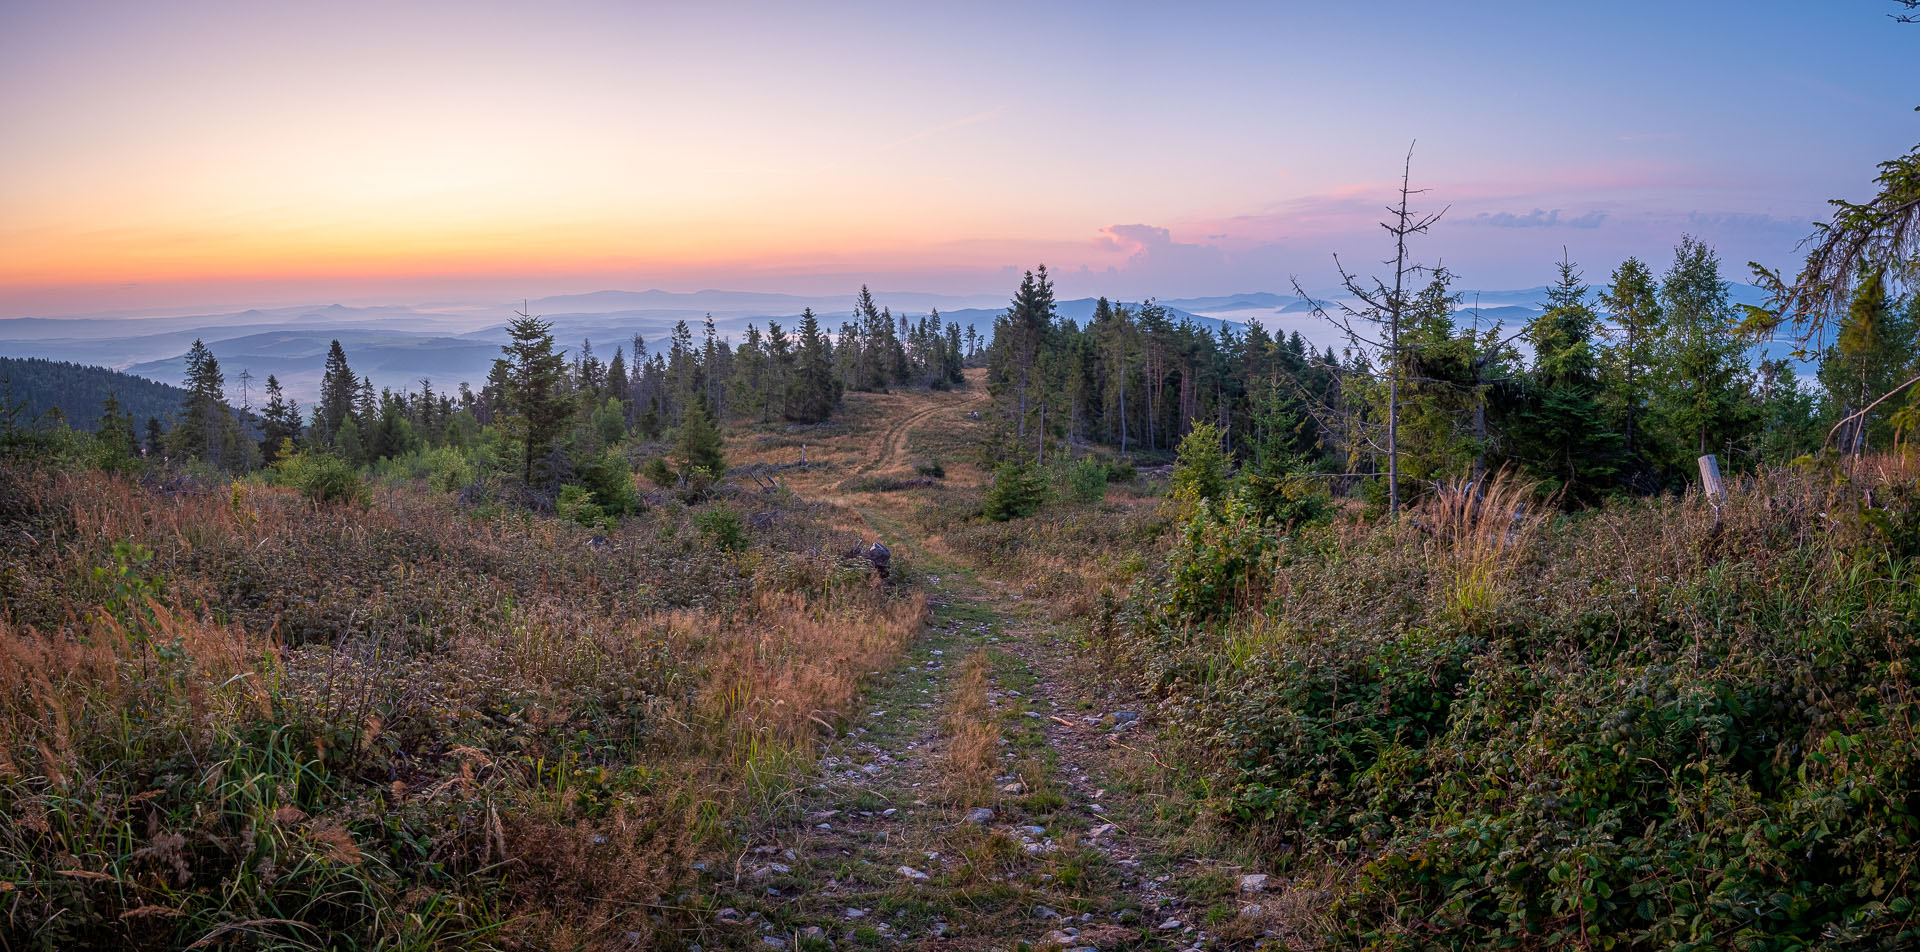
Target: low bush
{"x":1017,"y":492}
{"x":722,"y":527}
{"x":1659,"y":724}
{"x":1085,"y":480}
{"x":321,"y":477}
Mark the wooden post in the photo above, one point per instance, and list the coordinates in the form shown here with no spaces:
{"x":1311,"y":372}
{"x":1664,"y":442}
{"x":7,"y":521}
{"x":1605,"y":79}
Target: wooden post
{"x":803,"y":456}
{"x":1710,"y":477}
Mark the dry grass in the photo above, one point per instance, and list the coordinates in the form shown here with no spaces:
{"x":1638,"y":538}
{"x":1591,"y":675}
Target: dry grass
{"x":1480,"y":530}
{"x":400,"y":725}
{"x":972,"y":734}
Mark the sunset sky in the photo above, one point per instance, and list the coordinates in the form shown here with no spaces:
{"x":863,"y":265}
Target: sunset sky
{"x":173,"y":154}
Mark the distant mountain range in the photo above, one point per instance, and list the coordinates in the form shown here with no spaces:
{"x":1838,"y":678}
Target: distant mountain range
{"x":397,"y":345}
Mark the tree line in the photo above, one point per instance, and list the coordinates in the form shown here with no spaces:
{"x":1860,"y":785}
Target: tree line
{"x":1610,"y":389}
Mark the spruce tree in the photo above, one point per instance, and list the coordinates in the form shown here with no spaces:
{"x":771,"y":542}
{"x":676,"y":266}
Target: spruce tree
{"x":1701,"y":391}
{"x":339,"y":388}
{"x":279,"y":422}
{"x":1871,"y":353}
{"x":1627,"y":367}
{"x":118,"y":445}
{"x":205,"y":421}
{"x":1561,"y":433}
{"x":812,"y":392}
{"x":698,"y":447}
{"x":534,"y":374}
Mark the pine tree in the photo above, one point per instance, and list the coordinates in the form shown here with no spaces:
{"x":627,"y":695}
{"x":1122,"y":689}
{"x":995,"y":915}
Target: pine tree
{"x":1627,"y":367}
{"x":205,"y":420}
{"x":1702,"y":393}
{"x":1561,"y":433}
{"x":1871,"y":353}
{"x":617,"y":378}
{"x":339,"y":389}
{"x":280,"y":423}
{"x":813,"y":391}
{"x":114,"y":433}
{"x":698,"y":446}
{"x":534,"y":376}
{"x":1019,"y":343}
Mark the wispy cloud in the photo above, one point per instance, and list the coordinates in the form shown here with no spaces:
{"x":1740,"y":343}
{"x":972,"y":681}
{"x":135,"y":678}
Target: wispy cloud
{"x":1538,"y":218}
{"x":947,"y":126}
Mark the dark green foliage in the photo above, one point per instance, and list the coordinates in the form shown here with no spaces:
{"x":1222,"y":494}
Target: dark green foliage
{"x":1282,"y":491}
{"x":1086,"y":480}
{"x":279,"y":422}
{"x":339,"y":389}
{"x":698,"y":448}
{"x":118,"y":449}
{"x":659,"y":472}
{"x":722,"y":528}
{"x":321,"y":477}
{"x":609,"y":479}
{"x":206,"y":430}
{"x":1700,"y":394}
{"x":80,"y":392}
{"x":1654,"y":725}
{"x":1874,"y":350}
{"x":1202,"y":470}
{"x":1017,"y":492}
{"x":814,"y":390}
{"x":535,"y":372}
{"x":1559,"y":431}
{"x":933,"y":469}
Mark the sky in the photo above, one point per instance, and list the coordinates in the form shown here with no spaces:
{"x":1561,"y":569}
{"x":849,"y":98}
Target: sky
{"x":166,"y":155}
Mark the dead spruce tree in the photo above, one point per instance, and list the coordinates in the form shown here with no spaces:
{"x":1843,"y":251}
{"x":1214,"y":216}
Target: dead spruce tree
{"x":1374,"y":318}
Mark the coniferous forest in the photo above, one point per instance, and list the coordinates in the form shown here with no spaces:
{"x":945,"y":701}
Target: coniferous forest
{"x":1421,"y":627}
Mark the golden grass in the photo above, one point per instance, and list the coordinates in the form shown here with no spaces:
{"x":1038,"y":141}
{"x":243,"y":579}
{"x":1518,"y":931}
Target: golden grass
{"x":972,"y":734}
{"x":567,"y":727}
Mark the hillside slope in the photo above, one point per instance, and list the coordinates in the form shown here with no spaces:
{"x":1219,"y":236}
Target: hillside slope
{"x":79,"y":391}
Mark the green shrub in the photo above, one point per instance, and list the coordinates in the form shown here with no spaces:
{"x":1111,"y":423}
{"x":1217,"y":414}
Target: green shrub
{"x":1121,"y":471}
{"x":1201,"y":472}
{"x":577,"y":505}
{"x":659,"y":472}
{"x":1282,"y":491}
{"x":1219,"y":564}
{"x":611,"y":482}
{"x":322,"y":478}
{"x":1639,"y":734}
{"x":934,"y":470}
{"x":443,"y":467}
{"x":1017,"y":492}
{"x":1086,"y":480}
{"x":723,"y":528}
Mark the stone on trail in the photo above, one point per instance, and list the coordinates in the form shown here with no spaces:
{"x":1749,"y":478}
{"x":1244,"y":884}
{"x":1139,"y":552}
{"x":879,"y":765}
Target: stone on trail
{"x":1253,"y":883}
{"x":1170,"y":925}
{"x":913,"y":874}
{"x":980,"y":815}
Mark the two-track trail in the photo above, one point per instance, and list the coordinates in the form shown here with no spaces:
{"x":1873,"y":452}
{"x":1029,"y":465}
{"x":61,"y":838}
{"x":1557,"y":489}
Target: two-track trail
{"x":993,"y":792}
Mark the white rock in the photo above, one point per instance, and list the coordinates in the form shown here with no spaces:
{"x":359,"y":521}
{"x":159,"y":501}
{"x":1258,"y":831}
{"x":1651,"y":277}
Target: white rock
{"x":913,"y":874}
{"x":1253,"y":883}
